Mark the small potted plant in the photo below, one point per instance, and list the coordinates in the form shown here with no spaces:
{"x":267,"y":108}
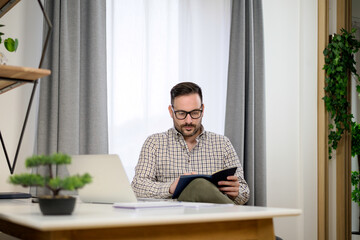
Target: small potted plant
{"x":54,"y":204}
{"x":10,"y":44}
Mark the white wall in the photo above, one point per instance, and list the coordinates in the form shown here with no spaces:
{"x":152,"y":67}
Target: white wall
{"x":291,"y":97}
{"x":25,"y":22}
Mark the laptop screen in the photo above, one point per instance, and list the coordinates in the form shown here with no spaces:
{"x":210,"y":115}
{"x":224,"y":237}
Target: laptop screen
{"x":109,"y":184}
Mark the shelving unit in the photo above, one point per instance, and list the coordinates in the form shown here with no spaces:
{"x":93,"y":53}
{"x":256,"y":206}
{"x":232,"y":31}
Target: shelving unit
{"x":10,"y":78}
{"x":15,"y":76}
{"x":6,"y":5}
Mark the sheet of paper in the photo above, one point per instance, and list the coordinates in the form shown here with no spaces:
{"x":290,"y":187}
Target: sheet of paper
{"x":167,"y":204}
{"x":204,"y":205}
{"x":151,"y":204}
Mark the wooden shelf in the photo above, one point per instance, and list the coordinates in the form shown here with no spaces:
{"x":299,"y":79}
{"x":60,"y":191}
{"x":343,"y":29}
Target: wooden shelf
{"x":6,"y":5}
{"x":20,"y":76}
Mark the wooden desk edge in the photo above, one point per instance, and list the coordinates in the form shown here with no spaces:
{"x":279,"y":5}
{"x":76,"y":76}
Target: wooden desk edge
{"x":239,"y":229}
{"x":160,"y":221}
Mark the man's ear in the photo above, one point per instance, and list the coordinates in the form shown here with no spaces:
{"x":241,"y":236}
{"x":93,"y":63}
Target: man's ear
{"x":170,"y":111}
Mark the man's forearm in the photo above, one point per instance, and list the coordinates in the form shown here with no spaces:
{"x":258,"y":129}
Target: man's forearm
{"x":146,"y":188}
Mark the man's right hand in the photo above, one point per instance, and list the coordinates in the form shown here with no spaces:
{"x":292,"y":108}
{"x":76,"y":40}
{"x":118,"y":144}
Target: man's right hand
{"x":174,"y":184}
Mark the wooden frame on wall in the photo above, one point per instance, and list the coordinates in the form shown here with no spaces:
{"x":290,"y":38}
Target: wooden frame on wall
{"x":343,"y":188}
{"x":322,"y":125}
{"x":343,"y":153}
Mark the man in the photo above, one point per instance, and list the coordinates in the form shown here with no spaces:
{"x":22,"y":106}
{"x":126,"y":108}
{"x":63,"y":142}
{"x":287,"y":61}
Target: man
{"x":188,"y":149}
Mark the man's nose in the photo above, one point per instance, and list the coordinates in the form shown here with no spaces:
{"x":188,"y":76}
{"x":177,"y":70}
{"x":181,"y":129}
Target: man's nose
{"x":188,"y":119}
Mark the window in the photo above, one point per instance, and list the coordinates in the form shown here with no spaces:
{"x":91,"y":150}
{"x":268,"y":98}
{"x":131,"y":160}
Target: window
{"x":151,"y":46}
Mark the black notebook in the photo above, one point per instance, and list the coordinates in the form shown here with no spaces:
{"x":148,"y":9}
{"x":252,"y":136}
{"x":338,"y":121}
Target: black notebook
{"x":220,"y":175}
{"x":14,"y":195}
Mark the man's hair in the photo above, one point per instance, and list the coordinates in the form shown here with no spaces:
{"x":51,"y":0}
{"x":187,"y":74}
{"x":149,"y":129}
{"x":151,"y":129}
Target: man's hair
{"x":185,"y":88}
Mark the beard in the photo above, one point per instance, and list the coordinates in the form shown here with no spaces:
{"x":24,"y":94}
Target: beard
{"x":188,"y":130}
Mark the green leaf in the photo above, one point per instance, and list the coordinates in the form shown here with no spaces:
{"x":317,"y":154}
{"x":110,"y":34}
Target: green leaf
{"x":339,"y":69}
{"x":70,"y":183}
{"x":27,"y":179}
{"x":37,"y":160}
{"x":76,"y":182}
{"x":60,"y":158}
{"x":16,"y":44}
{"x":358,"y":88}
{"x":10,"y":44}
{"x":55,"y":183}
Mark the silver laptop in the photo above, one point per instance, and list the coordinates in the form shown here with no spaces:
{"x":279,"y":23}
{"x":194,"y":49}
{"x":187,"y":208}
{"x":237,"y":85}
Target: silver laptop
{"x":109,"y":180}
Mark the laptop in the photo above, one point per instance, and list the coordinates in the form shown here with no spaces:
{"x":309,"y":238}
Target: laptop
{"x":110,"y":183}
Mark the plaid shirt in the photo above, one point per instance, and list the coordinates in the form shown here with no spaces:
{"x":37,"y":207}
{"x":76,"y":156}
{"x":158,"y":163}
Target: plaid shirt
{"x":165,"y":156}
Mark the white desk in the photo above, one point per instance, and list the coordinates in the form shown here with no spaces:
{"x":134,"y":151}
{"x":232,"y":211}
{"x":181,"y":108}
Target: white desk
{"x":23,"y":219}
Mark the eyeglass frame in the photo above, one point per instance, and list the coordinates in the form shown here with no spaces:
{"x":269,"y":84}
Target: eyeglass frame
{"x":187,"y":113}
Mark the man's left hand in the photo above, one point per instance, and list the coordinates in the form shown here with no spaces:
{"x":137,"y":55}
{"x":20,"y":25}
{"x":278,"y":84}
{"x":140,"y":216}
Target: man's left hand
{"x":230,"y":187}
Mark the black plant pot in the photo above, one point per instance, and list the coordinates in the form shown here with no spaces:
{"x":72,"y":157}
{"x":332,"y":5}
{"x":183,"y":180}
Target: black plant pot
{"x":63,"y":205}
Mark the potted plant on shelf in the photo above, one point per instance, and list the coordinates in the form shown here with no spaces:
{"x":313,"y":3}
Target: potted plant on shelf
{"x":10,"y":44}
{"x":54,"y":204}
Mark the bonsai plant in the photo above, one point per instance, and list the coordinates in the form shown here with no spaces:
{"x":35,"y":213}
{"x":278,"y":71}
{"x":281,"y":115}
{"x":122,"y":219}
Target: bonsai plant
{"x":51,"y":205}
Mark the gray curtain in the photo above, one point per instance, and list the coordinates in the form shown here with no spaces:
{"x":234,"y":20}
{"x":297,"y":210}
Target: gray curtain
{"x":245,"y":104}
{"x":73,"y":99}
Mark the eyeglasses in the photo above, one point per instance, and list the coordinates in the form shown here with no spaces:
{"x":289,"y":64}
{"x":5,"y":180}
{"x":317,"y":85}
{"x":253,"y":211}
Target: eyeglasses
{"x":181,"y":115}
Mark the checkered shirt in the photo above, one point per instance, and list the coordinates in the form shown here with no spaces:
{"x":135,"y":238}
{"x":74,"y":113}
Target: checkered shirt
{"x":165,"y":156}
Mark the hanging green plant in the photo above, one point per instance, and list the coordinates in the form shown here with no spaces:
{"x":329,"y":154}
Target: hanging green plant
{"x":10,"y":44}
{"x":355,"y":151}
{"x":355,"y":140}
{"x":339,"y":65}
